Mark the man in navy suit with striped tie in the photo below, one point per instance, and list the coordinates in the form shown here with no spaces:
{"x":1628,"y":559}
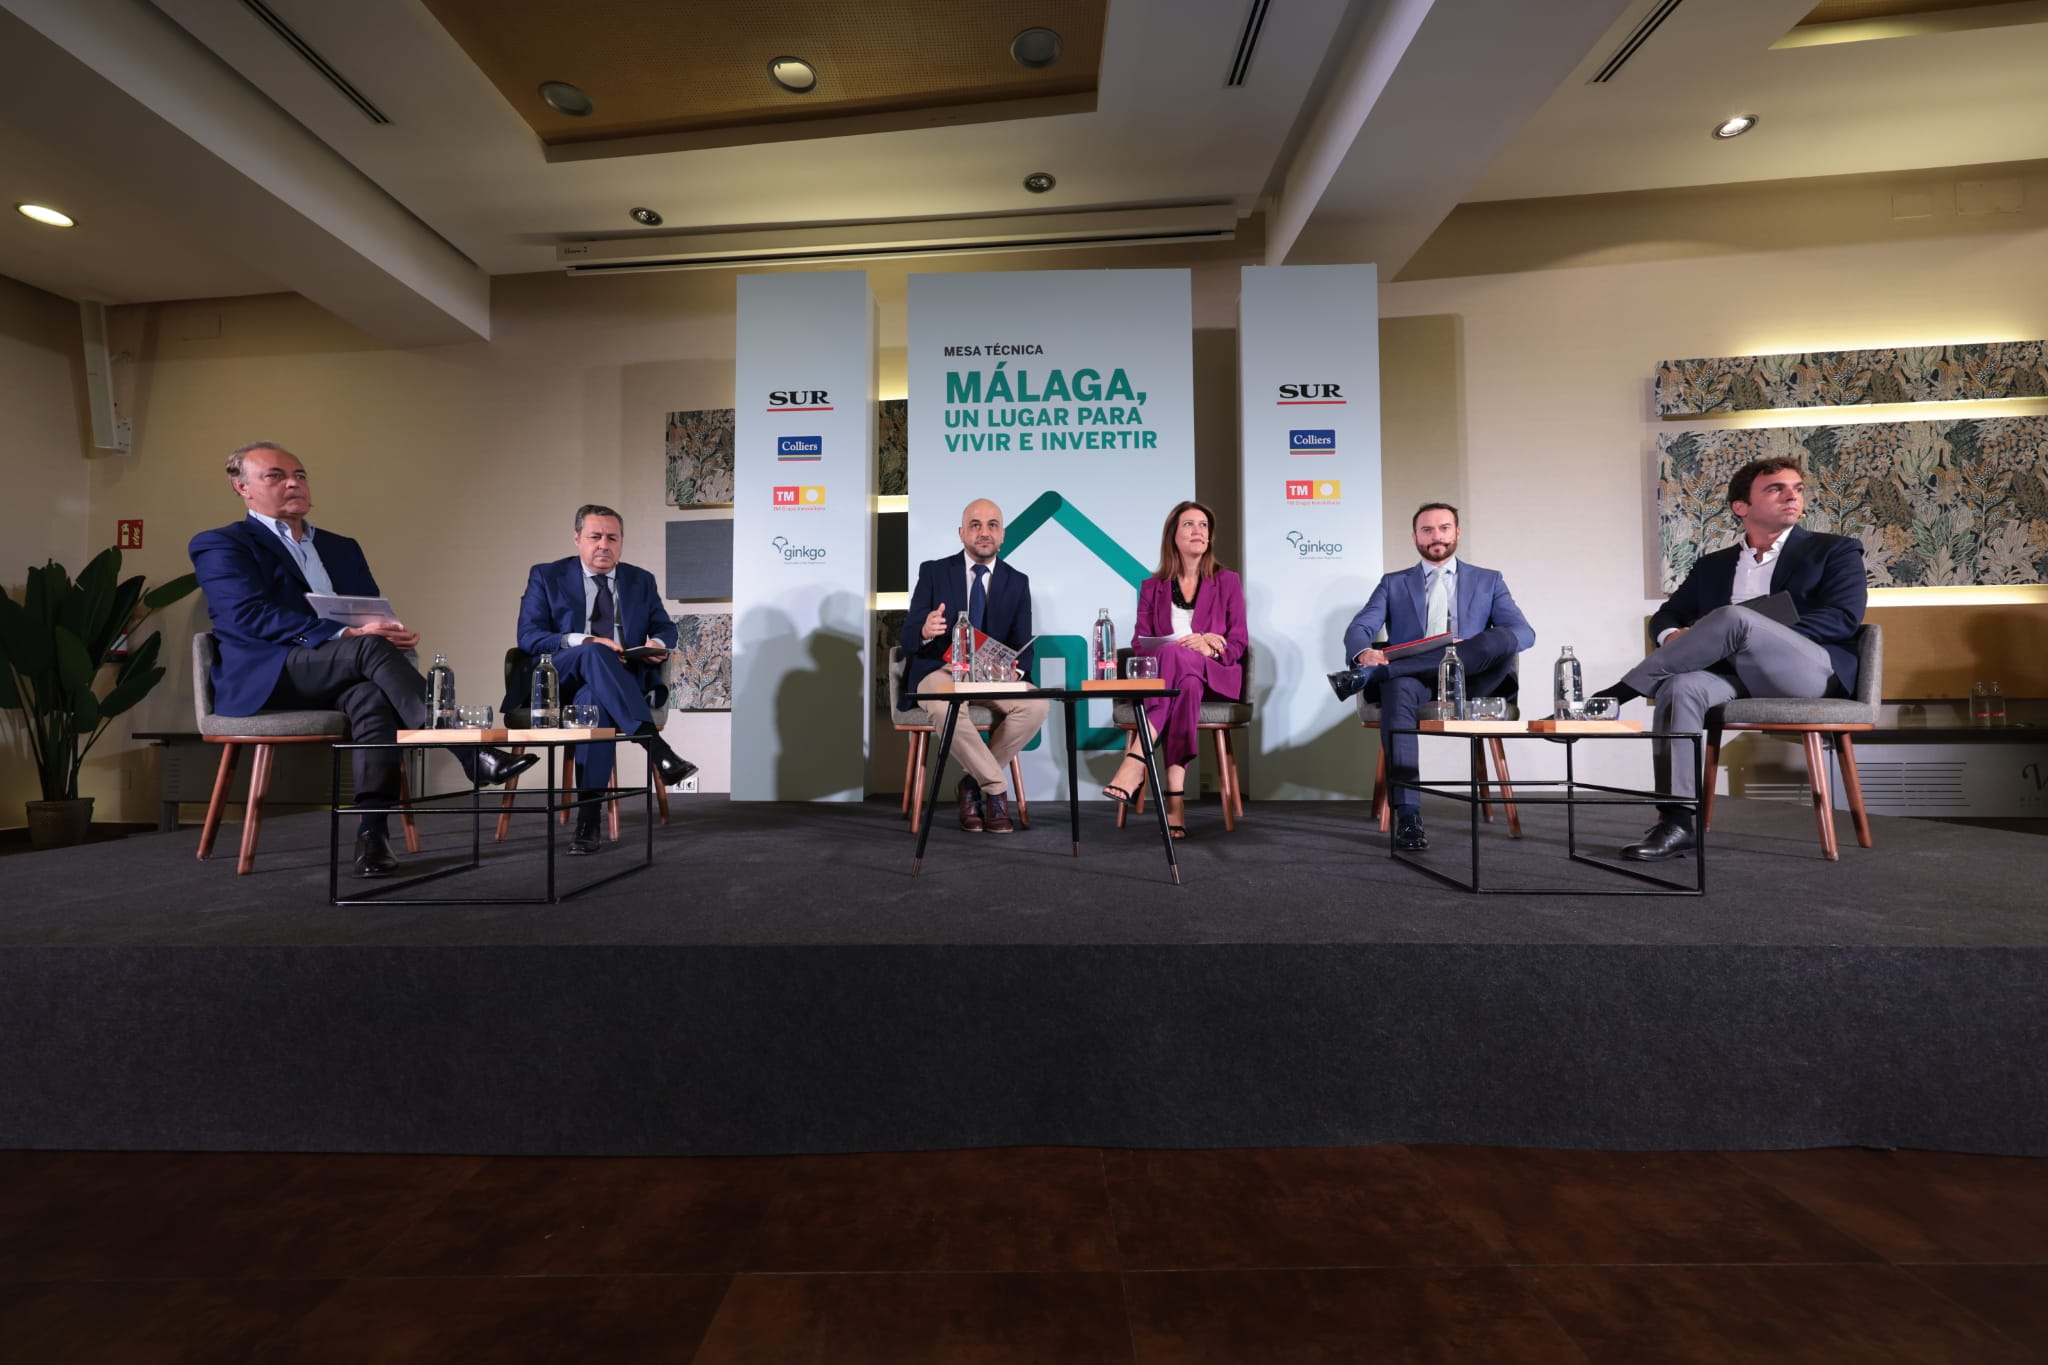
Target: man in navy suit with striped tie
{"x":586,"y":611}
{"x":1441,"y":595}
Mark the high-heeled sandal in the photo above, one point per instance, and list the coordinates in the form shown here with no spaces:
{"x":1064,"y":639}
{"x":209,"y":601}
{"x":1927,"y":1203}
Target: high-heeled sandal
{"x":1174,"y":831}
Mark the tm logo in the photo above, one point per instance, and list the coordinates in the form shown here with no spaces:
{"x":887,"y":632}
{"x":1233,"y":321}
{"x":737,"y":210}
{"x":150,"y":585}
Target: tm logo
{"x":1308,"y":547}
{"x":1315,"y":490}
{"x":793,"y":553}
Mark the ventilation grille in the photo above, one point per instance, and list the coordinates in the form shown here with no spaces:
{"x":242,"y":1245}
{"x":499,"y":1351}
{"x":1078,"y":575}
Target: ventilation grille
{"x":313,"y":59}
{"x":1924,"y":784}
{"x":1248,"y":42}
{"x":1628,"y":49}
{"x":911,"y":251}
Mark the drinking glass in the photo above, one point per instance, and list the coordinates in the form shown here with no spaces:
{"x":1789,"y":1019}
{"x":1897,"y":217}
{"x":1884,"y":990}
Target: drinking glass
{"x":1602,"y":708}
{"x":1143,"y":666}
{"x":1487,"y":708}
{"x":580,"y":715}
{"x":475,"y":717}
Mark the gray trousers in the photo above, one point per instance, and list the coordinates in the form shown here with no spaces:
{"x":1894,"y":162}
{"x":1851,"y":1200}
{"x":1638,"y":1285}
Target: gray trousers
{"x":1728,"y":653}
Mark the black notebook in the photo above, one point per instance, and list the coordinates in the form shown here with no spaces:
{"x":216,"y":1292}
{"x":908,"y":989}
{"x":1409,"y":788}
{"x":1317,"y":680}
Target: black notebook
{"x":1777,"y":607}
{"x":642,"y":653}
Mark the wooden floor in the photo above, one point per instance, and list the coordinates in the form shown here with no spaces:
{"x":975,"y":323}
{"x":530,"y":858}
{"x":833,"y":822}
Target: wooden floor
{"x":1063,"y":1255}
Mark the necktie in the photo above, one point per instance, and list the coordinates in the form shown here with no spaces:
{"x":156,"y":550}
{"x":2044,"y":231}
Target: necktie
{"x":603,"y":618}
{"x":1439,"y":603}
{"x":977,"y":597}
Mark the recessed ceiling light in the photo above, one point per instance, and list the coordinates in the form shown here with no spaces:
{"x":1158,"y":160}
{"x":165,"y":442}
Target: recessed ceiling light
{"x":1734,"y":127}
{"x":1035,"y":48}
{"x":43,"y":214}
{"x":793,"y":74}
{"x":1038,"y":182}
{"x":565,"y":98}
{"x":645,"y":217}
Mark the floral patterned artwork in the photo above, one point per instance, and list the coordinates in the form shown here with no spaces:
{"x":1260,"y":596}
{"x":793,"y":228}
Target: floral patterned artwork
{"x":1934,"y":503}
{"x":1823,"y":379}
{"x":892,"y":447}
{"x":700,"y":670}
{"x":700,"y":446}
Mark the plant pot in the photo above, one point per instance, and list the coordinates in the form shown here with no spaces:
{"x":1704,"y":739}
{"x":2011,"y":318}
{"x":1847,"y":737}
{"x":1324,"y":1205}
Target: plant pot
{"x":59,"y":824}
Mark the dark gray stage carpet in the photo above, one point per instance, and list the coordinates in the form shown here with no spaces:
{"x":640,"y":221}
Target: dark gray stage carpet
{"x":779,"y":982}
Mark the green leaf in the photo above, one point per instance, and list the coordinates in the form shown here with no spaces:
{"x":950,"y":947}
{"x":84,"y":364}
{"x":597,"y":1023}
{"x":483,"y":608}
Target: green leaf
{"x":132,"y":688}
{"x":125,"y":598}
{"x":161,"y":596}
{"x":74,"y":666}
{"x":143,"y":655}
{"x":85,"y":713}
{"x":10,"y":695}
{"x":24,"y":637}
{"x":91,"y":597}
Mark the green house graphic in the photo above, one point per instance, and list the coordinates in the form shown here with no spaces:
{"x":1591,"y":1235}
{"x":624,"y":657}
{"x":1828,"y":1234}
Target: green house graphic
{"x":1072,"y":650}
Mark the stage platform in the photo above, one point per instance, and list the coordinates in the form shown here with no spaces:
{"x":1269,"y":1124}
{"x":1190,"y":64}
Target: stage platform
{"x":780,"y":983}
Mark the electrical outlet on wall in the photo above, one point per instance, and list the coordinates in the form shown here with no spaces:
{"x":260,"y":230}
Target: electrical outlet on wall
{"x":688,"y":784}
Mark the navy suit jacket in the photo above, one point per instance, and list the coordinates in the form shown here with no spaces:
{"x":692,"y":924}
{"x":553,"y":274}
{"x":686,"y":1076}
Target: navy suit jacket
{"x":552,"y":607}
{"x":1007,"y":617}
{"x":1401,"y":604}
{"x":256,"y":595}
{"x":1823,"y":573}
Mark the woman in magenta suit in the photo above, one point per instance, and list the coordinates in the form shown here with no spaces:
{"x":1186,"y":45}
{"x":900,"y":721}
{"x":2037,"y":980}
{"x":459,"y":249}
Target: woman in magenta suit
{"x":1199,"y":604}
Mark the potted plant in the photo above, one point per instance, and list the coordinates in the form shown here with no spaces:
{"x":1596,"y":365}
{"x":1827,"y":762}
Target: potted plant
{"x":54,"y":645}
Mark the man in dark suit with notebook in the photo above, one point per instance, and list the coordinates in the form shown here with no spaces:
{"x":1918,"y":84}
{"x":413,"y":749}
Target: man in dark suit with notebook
{"x":997,"y":600}
{"x":1797,"y":639}
{"x":587,"y":611}
{"x":1440,"y":596}
{"x":275,"y":653}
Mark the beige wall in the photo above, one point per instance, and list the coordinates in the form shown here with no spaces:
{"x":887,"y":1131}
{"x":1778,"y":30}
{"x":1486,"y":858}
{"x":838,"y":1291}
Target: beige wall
{"x":44,"y":452}
{"x":1523,"y":397}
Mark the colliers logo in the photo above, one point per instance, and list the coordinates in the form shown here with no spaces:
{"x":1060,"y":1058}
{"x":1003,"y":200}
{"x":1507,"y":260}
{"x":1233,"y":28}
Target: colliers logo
{"x":799,"y":400}
{"x":1318,"y":442}
{"x":1308,"y":547}
{"x":789,"y":448}
{"x":1315,"y":490}
{"x":793,"y":553}
{"x":800,"y":496}
{"x":1311,"y":395}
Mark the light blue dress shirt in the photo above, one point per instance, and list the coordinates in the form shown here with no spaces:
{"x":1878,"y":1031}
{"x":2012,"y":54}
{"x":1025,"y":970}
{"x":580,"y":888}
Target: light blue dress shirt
{"x":303,"y":551}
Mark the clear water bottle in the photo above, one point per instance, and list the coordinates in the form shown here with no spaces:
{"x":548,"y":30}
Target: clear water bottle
{"x":441,"y":713}
{"x":962,"y":666}
{"x":1996,"y":714}
{"x":1450,"y":684}
{"x":1569,"y":696}
{"x":1980,"y":705}
{"x":1103,"y":649}
{"x":547,"y":694}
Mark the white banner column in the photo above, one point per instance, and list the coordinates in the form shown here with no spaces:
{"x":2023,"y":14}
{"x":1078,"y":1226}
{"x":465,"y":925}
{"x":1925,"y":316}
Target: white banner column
{"x":1309,"y":395}
{"x":803,"y":536}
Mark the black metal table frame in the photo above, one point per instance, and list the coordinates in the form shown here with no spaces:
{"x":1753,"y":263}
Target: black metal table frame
{"x":1067,"y":697}
{"x":1468,"y":791}
{"x":552,"y":807}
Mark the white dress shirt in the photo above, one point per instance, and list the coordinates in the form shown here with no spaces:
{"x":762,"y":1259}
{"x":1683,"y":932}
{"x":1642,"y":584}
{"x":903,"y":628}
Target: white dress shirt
{"x":303,"y":552}
{"x":572,"y":638}
{"x":1753,"y":575}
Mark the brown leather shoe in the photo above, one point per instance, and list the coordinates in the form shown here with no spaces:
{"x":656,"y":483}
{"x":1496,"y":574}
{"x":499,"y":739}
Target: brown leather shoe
{"x":995,"y":814}
{"x":970,"y":806}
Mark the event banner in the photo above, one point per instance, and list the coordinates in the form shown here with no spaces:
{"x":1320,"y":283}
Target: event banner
{"x":803,"y":536}
{"x":1066,"y":397}
{"x":1309,"y":402}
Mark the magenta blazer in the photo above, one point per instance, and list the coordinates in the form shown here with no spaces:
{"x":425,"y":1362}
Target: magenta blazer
{"x":1219,"y":610}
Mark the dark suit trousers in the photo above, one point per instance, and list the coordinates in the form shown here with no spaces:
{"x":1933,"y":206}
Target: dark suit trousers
{"x":367,"y":679}
{"x":591,"y":672}
{"x":1489,"y":657}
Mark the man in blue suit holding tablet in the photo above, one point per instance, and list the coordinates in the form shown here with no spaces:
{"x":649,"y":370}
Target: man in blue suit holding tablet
{"x":997,"y":600}
{"x":1439,"y":596}
{"x":276,"y":654}
{"x":587,"y":611}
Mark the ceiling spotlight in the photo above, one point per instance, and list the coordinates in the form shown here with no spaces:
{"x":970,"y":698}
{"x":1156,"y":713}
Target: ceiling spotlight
{"x":565,"y":98}
{"x":793,"y":74}
{"x":1035,"y":48}
{"x":45,"y":215}
{"x":1038,"y":182}
{"x":1735,"y":127}
{"x":645,"y":217}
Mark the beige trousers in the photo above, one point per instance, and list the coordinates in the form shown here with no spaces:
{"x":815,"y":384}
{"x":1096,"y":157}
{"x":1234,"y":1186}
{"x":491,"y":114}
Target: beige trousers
{"x":988,"y":761}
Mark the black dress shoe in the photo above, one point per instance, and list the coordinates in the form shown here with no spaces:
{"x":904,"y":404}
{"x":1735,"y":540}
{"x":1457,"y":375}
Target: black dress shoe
{"x":495,"y":765}
{"x":672,"y":766}
{"x":586,"y":838}
{"x":1408,"y":835}
{"x":1349,"y":682}
{"x":1665,"y":839}
{"x":373,"y":855}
